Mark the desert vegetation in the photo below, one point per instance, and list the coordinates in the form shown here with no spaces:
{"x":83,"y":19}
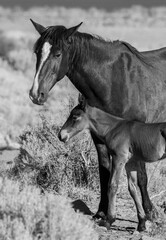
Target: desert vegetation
{"x":39,"y":182}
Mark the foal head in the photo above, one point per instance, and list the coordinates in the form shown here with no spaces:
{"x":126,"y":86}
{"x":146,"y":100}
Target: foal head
{"x":76,"y":122}
{"x":52,"y":51}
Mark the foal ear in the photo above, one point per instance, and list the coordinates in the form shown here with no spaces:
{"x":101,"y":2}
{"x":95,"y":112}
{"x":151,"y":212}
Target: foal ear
{"x":81,"y":101}
{"x":38,"y":27}
{"x":72,"y":30}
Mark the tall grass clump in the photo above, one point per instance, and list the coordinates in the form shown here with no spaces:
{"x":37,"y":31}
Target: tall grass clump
{"x":46,"y":162}
{"x":26,"y":214}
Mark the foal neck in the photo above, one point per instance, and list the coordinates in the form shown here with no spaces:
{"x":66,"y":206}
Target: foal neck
{"x":101,"y":122}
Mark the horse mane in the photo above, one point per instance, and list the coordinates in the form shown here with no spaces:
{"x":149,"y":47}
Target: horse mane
{"x":50,"y":34}
{"x":138,"y":54}
{"x":56,"y":36}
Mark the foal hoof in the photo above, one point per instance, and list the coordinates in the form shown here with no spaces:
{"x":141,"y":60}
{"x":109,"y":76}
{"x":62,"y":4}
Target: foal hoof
{"x":100,"y":215}
{"x":152,"y":215}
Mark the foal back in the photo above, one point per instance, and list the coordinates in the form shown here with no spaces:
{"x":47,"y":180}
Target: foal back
{"x":148,"y":141}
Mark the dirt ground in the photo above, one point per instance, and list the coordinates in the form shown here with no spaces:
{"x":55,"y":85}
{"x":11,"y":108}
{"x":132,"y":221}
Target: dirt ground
{"x":124,"y":228}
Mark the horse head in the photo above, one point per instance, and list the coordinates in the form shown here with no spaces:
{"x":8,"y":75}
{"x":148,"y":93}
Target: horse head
{"x":52,"y":59}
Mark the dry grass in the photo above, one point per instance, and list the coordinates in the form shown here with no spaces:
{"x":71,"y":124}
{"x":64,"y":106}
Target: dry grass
{"x":54,"y":165}
{"x":26,"y":214}
{"x":44,"y":164}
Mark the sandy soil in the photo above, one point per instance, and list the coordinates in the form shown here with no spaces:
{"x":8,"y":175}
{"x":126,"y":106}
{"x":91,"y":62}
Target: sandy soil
{"x":124,"y":228}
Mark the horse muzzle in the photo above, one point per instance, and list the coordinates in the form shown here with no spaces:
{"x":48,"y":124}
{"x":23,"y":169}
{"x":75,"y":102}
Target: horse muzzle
{"x":39,"y":99}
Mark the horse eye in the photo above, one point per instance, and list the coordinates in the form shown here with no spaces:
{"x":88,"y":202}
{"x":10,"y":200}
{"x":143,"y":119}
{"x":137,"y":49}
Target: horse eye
{"x":58,"y":55}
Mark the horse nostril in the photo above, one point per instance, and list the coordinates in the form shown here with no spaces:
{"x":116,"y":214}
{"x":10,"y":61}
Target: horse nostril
{"x":42,"y":95}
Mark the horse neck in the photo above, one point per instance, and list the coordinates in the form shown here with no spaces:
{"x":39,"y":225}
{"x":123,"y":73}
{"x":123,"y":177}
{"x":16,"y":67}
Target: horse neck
{"x":87,"y":57}
{"x":100,"y":122}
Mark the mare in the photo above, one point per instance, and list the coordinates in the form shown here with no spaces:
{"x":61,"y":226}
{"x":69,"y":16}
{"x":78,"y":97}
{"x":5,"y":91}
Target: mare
{"x":126,"y":140}
{"x":113,"y":76}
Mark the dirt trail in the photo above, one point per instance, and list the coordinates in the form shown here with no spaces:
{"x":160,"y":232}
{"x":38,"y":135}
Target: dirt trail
{"x":124,"y":228}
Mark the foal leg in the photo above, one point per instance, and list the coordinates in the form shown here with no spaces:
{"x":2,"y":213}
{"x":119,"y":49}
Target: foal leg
{"x":118,"y":164}
{"x":150,"y":210}
{"x":131,"y":169}
{"x":104,"y":165}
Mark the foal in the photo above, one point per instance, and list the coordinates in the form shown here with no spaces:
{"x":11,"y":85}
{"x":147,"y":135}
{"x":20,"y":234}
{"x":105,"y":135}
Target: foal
{"x":127,"y":141}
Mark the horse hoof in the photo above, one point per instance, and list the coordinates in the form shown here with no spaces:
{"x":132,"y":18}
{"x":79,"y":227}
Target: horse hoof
{"x":100,"y":215}
{"x":108,"y":225}
{"x":110,"y":220}
{"x":141,"y":226}
{"x":107,"y":222}
{"x":104,"y":223}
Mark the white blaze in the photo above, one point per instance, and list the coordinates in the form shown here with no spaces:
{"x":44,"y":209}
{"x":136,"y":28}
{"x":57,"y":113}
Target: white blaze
{"x":44,"y":55}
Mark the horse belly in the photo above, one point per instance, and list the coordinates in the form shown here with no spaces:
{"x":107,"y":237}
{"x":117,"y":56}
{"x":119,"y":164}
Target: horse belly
{"x":145,"y":94}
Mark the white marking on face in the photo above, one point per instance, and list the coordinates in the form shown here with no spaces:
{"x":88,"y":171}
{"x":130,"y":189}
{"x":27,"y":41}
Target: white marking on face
{"x":44,"y":55}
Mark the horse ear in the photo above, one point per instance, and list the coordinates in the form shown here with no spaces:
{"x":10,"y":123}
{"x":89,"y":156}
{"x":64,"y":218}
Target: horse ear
{"x":38,"y":27}
{"x":82,"y":101}
{"x":72,"y":30}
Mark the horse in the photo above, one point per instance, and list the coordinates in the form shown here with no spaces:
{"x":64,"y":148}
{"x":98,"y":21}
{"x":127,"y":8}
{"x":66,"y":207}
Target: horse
{"x":113,"y":76}
{"x":126,"y":140}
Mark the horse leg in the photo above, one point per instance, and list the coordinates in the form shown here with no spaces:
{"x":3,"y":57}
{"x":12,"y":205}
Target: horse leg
{"x":131,"y":169}
{"x":104,"y":174}
{"x":118,"y":163}
{"x":150,"y":210}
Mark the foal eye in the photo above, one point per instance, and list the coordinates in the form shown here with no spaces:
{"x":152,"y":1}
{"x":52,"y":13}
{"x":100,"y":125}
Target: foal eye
{"x":74,"y":118}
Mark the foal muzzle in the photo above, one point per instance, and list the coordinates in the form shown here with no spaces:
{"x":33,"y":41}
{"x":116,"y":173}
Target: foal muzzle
{"x":63,"y":136}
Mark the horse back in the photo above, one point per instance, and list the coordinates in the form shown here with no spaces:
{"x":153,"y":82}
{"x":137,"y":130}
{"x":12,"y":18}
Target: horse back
{"x":138,"y":81}
{"x":161,"y":53}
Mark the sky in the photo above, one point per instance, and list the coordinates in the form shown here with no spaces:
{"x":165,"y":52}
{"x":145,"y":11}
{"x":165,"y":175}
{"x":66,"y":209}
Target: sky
{"x":102,"y":4}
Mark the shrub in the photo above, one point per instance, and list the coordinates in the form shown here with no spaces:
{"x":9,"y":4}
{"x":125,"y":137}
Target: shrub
{"x":6,"y":45}
{"x":46,"y":162}
{"x":26,"y":214}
